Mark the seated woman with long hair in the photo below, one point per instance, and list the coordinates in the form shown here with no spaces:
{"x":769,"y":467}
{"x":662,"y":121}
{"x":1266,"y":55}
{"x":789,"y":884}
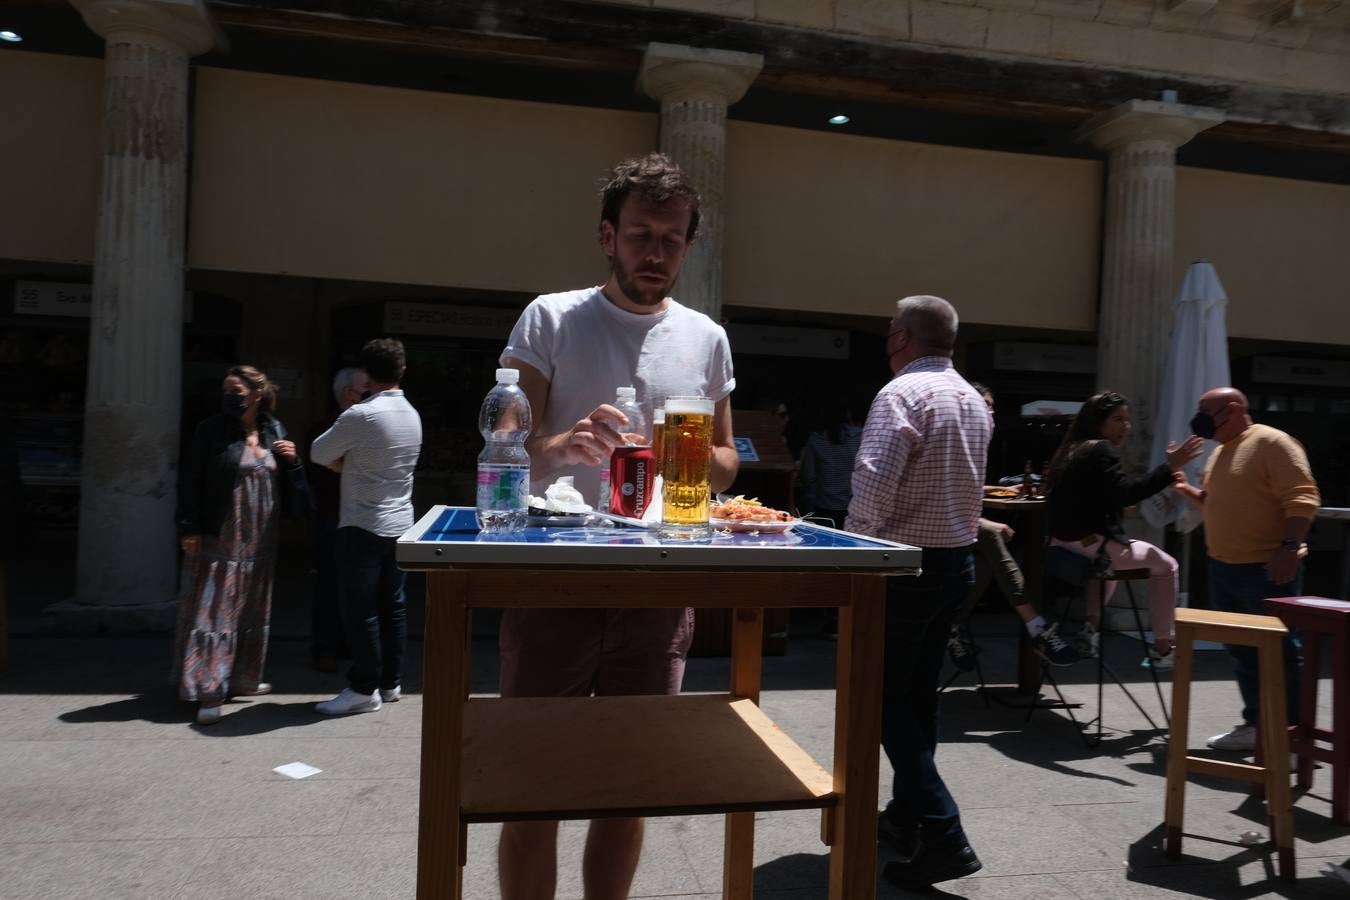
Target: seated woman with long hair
{"x":1088,"y":491}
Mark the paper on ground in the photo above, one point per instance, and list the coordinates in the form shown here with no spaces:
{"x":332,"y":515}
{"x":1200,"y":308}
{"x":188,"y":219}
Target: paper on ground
{"x":297,"y":770}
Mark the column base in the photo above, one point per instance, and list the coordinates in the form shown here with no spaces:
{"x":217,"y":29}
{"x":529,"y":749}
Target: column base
{"x":69,"y":617}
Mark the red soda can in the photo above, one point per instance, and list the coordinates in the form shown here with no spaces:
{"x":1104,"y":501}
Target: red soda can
{"x":631,"y":474}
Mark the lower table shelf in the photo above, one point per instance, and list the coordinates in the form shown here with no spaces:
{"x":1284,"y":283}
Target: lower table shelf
{"x":592,"y":757}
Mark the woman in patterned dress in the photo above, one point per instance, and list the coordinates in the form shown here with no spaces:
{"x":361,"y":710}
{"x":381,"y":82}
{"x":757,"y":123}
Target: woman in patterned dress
{"x":238,"y":468}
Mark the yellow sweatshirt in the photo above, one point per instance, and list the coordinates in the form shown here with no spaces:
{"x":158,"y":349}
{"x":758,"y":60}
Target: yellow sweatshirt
{"x":1255,"y":482}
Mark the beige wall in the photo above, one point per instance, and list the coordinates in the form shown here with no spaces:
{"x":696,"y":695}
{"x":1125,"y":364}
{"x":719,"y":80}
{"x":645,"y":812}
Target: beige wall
{"x":1231,"y":40}
{"x":1281,"y":248}
{"x":50,"y":107}
{"x":833,"y":222}
{"x":351,"y":181}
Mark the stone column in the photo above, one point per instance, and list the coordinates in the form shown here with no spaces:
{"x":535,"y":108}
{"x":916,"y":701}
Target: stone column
{"x":1141,"y":138}
{"x":126,"y":570}
{"x":695,"y":87}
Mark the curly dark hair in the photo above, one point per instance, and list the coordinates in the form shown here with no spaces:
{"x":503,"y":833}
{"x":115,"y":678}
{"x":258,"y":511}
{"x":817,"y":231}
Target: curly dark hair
{"x":1086,"y":428}
{"x":384,"y":360}
{"x":656,"y":179}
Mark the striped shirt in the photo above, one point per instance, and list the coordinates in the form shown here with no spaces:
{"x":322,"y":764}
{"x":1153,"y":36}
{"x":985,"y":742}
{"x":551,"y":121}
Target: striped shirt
{"x":378,"y":441}
{"x":919,"y":475}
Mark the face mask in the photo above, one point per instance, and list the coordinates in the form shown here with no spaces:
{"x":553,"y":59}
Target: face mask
{"x":233,"y":404}
{"x":1203,"y":425}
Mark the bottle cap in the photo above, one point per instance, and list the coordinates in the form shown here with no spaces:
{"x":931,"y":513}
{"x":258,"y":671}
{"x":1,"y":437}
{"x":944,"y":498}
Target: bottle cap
{"x":508,"y":376}
{"x":627,"y":393}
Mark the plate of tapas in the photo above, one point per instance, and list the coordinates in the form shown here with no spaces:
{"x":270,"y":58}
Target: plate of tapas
{"x":749,"y":515}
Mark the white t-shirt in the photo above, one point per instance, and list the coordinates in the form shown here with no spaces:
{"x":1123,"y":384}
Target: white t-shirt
{"x":378,"y":441}
{"x":588,"y":348}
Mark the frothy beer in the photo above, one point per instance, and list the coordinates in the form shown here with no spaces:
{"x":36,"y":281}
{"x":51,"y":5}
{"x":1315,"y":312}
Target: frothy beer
{"x":686,"y":465}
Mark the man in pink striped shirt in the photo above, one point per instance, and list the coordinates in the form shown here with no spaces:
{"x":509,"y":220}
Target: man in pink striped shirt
{"x":918,"y":479}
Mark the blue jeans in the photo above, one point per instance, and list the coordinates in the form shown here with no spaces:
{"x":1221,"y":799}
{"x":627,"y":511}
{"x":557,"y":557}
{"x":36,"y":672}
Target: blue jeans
{"x":1242,"y":588}
{"x":374,"y":610}
{"x":919,"y":613}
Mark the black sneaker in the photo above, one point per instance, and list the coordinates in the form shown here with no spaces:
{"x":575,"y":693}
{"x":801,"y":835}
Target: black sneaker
{"x":904,"y":841}
{"x":961,"y":653}
{"x":1054,"y":649}
{"x":932,"y":865}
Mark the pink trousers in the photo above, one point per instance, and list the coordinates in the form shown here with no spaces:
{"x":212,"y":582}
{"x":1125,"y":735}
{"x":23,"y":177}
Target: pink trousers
{"x":1162,"y":581}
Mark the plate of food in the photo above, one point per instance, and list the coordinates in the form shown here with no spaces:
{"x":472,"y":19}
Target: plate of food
{"x":994,"y":492}
{"x":562,"y":506}
{"x":543,"y":518}
{"x":740,"y":514}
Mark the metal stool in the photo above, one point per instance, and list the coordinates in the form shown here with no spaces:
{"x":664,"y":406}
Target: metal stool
{"x":1266,"y":634}
{"x":1315,"y":618}
{"x":1125,"y":576}
{"x":967,"y":636}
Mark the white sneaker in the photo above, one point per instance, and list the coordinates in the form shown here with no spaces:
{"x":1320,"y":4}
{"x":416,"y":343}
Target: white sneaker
{"x":391,"y":695}
{"x":208,"y":715}
{"x":1242,"y":737}
{"x":347,"y":702}
{"x":1088,"y":641}
{"x":1162,"y":661}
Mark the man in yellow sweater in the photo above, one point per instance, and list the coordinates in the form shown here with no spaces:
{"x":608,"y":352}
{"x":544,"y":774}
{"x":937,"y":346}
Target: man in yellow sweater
{"x":1259,"y":499}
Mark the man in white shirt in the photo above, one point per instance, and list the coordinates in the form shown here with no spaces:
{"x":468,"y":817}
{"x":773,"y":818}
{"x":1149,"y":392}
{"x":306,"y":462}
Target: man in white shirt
{"x":573,"y":351}
{"x":375,"y":445}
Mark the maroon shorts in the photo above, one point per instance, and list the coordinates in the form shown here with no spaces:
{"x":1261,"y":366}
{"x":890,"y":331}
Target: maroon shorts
{"x":579,"y":652}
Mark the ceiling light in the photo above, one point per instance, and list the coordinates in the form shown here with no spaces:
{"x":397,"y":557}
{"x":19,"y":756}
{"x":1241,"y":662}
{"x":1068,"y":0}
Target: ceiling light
{"x":838,"y":120}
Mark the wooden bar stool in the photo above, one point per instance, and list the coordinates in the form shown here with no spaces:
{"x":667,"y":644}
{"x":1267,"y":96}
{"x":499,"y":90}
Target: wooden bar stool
{"x":1315,"y":618}
{"x":1266,"y":634}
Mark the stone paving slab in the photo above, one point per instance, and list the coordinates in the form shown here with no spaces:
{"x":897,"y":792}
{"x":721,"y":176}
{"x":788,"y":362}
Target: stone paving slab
{"x":107,"y":790}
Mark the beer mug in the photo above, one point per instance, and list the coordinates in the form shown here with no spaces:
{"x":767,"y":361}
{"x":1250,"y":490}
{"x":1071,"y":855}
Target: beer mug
{"x":686,"y":467}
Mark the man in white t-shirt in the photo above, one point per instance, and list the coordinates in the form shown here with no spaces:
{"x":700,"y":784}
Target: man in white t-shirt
{"x":574,"y":350}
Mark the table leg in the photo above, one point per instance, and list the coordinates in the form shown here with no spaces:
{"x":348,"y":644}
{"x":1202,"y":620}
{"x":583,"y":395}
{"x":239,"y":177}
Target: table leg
{"x":4,"y":621}
{"x":445,"y":687}
{"x":857,"y":740}
{"x":1174,"y":810}
{"x":1033,"y":577}
{"x":738,"y":868}
{"x":1340,"y":728}
{"x":1275,"y":738}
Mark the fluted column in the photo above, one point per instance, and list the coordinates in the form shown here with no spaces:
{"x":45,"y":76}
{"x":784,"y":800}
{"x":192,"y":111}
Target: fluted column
{"x":127,"y":559}
{"x":695,"y":87}
{"x":1134,"y":319}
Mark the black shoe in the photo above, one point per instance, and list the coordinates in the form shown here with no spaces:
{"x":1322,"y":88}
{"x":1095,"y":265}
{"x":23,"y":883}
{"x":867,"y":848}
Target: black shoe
{"x":904,"y":841}
{"x":1054,"y":649}
{"x":932,"y":865}
{"x":961,"y":653}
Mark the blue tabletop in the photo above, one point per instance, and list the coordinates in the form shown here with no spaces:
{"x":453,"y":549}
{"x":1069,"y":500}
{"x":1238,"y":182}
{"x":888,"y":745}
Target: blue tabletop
{"x":448,"y":537}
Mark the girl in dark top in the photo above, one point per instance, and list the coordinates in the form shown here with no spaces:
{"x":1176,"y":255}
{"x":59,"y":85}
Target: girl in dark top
{"x":1088,"y":490}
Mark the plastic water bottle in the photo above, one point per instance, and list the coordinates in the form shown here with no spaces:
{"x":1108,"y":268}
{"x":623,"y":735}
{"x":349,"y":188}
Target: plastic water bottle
{"x":602,"y":502}
{"x":504,"y":465}
{"x":632,"y":466}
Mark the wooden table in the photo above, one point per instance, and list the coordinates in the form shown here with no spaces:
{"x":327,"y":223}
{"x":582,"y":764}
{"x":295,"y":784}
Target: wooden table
{"x":494,"y":760}
{"x":1031,"y":522}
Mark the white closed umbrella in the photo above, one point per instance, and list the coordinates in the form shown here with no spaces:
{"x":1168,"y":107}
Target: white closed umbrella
{"x":1197,"y":361}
